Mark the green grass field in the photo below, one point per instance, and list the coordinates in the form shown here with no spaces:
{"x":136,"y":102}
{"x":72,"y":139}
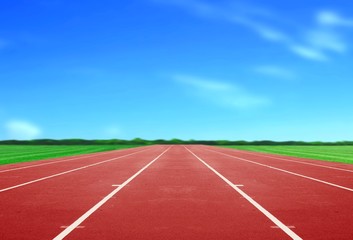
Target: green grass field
{"x":328,"y":153}
{"x":24,"y":153}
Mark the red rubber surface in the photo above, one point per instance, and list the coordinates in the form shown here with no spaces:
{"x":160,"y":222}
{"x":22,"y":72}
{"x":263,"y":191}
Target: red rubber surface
{"x":177,"y":197}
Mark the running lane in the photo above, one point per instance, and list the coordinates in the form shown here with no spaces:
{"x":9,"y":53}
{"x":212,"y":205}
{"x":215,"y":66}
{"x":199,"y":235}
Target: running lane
{"x":312,"y":209}
{"x":21,"y":174}
{"x":330,"y":172}
{"x":177,"y":197}
{"x":38,"y":163}
{"x":43,"y":209}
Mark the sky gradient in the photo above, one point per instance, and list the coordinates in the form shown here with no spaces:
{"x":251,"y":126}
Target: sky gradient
{"x":251,"y":70}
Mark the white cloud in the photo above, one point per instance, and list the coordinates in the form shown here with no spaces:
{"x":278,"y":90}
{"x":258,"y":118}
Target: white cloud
{"x":309,"y":52}
{"x":22,"y":130}
{"x":330,"y":18}
{"x":205,"y":85}
{"x":270,"y":34}
{"x":315,"y":43}
{"x":326,"y":39}
{"x":236,"y":12}
{"x":264,"y":31}
{"x":220,"y":93}
{"x":275,"y":71}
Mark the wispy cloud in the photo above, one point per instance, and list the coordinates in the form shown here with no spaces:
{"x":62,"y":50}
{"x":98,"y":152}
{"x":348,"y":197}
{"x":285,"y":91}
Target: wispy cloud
{"x":324,"y":38}
{"x":316,"y":43}
{"x":221,"y":93}
{"x":309,"y":52}
{"x":22,"y":130}
{"x":263,"y":30}
{"x":237,"y":12}
{"x":330,"y":18}
{"x":275,"y":71}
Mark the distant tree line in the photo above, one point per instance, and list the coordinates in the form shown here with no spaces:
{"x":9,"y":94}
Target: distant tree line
{"x":139,"y":141}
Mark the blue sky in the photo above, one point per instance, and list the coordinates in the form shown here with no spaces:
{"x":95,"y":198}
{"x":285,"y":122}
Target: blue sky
{"x":252,"y":70}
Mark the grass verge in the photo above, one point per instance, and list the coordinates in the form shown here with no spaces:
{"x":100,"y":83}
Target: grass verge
{"x":20,"y":153}
{"x":342,"y":154}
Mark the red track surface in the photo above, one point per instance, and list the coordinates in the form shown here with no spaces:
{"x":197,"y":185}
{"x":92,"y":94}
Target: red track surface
{"x":198,"y":192}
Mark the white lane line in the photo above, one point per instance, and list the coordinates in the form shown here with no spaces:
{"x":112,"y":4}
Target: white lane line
{"x":278,"y":223}
{"x":77,"y":223}
{"x":59,"y":161}
{"x":76,"y":227}
{"x":289,"y":160}
{"x":285,"y":171}
{"x":116,"y":185}
{"x":66,"y":172}
{"x":287,"y":226}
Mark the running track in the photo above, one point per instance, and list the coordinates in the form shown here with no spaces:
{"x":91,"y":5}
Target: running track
{"x":176,"y":192}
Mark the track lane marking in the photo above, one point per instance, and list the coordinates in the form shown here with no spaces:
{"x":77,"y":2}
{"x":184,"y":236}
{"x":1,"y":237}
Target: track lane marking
{"x":278,"y":223}
{"x":76,"y":227}
{"x":77,"y":223}
{"x":285,"y":171}
{"x":287,"y":226}
{"x":289,"y":160}
{"x":59,"y":161}
{"x":66,"y":172}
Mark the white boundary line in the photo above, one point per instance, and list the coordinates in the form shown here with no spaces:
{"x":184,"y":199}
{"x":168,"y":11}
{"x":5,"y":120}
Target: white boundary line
{"x":261,"y":154}
{"x":89,"y":155}
{"x":66,"y":172}
{"x":285,"y":171}
{"x":278,"y":223}
{"x":77,"y":223}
